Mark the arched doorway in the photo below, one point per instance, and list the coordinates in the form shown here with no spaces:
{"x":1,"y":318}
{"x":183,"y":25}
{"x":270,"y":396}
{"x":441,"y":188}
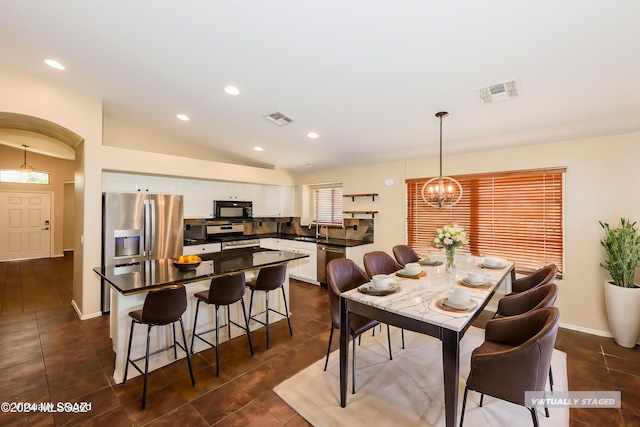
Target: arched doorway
{"x":53,"y":141}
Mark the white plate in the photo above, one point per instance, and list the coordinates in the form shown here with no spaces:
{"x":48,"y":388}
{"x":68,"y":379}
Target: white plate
{"x":375,"y":288}
{"x":465,"y":280}
{"x":471,"y":304}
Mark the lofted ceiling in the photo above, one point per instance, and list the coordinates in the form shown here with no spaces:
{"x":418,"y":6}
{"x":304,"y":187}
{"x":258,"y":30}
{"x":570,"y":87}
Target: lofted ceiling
{"x":367,"y":76}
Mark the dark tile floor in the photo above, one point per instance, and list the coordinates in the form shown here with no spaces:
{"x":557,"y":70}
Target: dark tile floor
{"x":48,"y":355}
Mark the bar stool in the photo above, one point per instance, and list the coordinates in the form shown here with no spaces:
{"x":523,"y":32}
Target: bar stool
{"x":161,"y":307}
{"x":269,"y":279}
{"x":223,"y":291}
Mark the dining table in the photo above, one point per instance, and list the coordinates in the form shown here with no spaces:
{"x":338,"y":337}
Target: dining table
{"x":419,"y":303}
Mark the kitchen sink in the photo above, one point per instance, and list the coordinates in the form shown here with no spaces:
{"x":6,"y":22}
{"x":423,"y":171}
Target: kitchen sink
{"x":306,"y":239}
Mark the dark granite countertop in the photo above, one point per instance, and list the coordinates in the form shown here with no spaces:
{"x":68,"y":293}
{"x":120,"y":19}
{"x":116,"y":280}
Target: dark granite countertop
{"x":346,"y":243}
{"x":148,"y":275}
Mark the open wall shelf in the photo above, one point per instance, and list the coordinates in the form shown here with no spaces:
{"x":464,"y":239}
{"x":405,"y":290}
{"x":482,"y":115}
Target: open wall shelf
{"x":353,"y":196}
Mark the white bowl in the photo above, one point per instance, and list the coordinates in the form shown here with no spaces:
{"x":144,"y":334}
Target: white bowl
{"x":459,"y":296}
{"x":475,"y":276}
{"x":381,"y":281}
{"x":412,"y":269}
{"x":492,"y":262}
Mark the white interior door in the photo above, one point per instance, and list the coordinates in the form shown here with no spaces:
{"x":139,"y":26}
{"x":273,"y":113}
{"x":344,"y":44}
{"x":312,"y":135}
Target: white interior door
{"x":25,"y":225}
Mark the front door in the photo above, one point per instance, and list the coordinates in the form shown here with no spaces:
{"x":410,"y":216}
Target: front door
{"x":25,"y":225}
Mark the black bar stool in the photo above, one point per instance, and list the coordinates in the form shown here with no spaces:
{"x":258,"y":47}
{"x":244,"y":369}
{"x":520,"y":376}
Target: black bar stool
{"x":161,"y":307}
{"x":223,"y":290}
{"x":269,"y":279}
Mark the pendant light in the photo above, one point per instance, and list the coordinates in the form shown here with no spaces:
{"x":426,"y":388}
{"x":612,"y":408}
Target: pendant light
{"x":442,"y":191}
{"x":25,"y":169}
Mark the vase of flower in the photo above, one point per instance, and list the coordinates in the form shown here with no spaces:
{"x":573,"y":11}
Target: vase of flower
{"x":450,"y":237}
{"x":451,"y":259}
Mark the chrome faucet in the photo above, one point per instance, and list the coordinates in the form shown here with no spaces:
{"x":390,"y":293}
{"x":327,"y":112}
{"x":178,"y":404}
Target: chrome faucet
{"x":326,"y":231}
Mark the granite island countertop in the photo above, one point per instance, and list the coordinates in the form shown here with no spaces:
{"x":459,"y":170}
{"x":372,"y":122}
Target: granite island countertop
{"x":154,"y":274}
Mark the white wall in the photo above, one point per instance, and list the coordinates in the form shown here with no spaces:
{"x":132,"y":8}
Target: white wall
{"x":600,"y":178}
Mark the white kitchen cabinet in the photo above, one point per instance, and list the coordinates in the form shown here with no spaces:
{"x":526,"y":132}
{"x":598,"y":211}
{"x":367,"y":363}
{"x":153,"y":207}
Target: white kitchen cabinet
{"x":270,"y":243}
{"x":118,"y":182}
{"x":207,"y":248}
{"x":257,"y":197}
{"x":198,"y":198}
{"x":306,"y":268}
{"x":232,"y":191}
{"x":276,"y":201}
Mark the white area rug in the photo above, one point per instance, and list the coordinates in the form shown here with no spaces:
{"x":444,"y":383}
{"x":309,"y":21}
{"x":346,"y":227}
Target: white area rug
{"x":405,"y":391}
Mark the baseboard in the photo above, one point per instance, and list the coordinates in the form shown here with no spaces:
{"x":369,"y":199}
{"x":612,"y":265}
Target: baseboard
{"x":586,"y":330}
{"x":84,"y":316}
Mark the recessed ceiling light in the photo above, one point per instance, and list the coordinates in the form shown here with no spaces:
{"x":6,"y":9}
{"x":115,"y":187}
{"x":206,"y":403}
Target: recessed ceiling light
{"x":310,"y":165}
{"x":232,"y":90}
{"x":54,"y":64}
{"x":313,"y":135}
{"x":258,"y":148}
{"x":182,"y":117}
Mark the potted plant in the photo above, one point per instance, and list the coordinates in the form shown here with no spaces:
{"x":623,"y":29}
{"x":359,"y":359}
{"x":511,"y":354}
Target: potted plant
{"x":621,"y":294}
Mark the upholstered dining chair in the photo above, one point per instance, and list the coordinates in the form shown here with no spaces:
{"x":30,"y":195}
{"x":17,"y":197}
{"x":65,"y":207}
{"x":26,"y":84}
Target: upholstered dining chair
{"x":380,"y":262}
{"x":514,"y":358}
{"x":539,"y":277}
{"x":404,"y":254}
{"x":533,"y":299}
{"x":343,"y":275}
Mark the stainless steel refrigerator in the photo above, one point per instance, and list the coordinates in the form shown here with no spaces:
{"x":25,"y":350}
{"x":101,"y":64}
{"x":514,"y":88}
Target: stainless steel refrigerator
{"x":139,"y":227}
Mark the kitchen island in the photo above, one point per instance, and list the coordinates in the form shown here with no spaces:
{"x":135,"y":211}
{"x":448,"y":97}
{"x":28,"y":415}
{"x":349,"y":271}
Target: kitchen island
{"x":130,"y":284}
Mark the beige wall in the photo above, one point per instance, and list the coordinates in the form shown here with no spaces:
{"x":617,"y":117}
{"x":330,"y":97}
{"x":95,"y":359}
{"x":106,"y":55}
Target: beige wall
{"x":82,"y":114}
{"x":69,"y":216}
{"x":599,"y":186}
{"x":60,"y":170}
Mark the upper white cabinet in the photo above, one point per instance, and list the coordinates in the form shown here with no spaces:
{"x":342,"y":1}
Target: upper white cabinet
{"x":232,"y":191}
{"x":273,"y":200}
{"x":134,"y":183}
{"x":198,"y":198}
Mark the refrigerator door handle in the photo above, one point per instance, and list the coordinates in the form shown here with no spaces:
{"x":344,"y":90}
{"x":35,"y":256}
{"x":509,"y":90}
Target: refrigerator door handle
{"x":151,"y":226}
{"x":146,"y":248}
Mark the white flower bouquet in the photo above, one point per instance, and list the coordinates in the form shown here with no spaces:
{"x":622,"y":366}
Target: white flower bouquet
{"x":450,"y":236}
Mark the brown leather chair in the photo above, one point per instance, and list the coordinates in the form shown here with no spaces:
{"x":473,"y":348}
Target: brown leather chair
{"x":538,"y":297}
{"x":269,"y":279}
{"x":515,"y":357}
{"x":223,"y":291}
{"x":161,"y":307}
{"x":524,"y":302}
{"x":539,"y":277}
{"x":404,"y":254}
{"x":379,"y":262}
{"x":343,"y":275}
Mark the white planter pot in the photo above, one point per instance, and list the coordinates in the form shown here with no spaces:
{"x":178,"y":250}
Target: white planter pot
{"x":623,"y":311}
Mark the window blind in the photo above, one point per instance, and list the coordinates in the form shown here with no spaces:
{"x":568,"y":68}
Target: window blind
{"x":327,"y":203}
{"x":513,"y":215}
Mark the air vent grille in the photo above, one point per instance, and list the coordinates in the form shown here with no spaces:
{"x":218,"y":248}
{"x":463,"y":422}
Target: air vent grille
{"x":278,"y":119}
{"x":500,"y":92}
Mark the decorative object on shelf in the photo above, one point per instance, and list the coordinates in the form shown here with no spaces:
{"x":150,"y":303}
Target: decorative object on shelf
{"x":450,"y":237}
{"x":447,"y":191}
{"x":621,"y":294}
{"x":25,"y":169}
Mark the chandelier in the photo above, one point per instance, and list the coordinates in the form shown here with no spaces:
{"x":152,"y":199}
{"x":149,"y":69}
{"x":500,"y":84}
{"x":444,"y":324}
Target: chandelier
{"x":25,"y":169}
{"x":442,"y":191}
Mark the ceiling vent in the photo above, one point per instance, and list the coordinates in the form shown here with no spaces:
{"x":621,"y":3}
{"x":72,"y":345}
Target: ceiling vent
{"x":500,"y":92}
{"x":278,"y":119}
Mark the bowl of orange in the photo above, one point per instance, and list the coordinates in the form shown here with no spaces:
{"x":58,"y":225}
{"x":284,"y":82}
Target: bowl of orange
{"x":187,"y":262}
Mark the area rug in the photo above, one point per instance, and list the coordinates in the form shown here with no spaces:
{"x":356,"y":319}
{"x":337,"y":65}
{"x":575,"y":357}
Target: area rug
{"x":405,"y":391}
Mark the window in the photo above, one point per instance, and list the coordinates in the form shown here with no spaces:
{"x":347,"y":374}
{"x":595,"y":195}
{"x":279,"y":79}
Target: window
{"x":327,"y":205}
{"x":14,"y":175}
{"x":514,"y":215}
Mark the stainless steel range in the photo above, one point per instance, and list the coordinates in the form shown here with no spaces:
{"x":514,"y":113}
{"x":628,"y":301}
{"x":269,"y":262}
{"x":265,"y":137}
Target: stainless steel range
{"x":231,"y":236}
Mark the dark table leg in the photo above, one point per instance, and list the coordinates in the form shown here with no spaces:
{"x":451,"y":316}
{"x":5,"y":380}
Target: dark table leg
{"x":344,"y":351}
{"x":451,"y":365}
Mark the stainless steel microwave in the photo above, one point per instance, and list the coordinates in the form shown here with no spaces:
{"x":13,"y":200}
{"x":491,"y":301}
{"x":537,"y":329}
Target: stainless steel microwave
{"x":229,"y":209}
